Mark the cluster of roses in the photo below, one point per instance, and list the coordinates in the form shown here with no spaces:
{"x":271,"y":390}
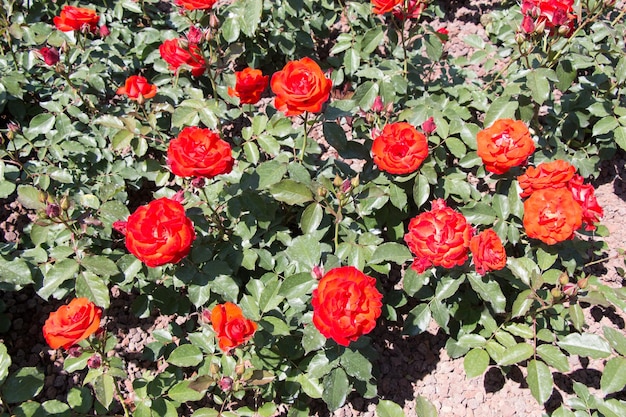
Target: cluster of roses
{"x":554,"y":16}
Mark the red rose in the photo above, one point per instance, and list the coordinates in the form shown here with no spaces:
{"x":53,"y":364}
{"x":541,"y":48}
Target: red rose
{"x":488,"y":252}
{"x":300,"y":86}
{"x":75,"y":18}
{"x":199,"y":152}
{"x":249,"y":85}
{"x":232,"y":328}
{"x":438,"y":237}
{"x":158,"y":232}
{"x":413,"y":10}
{"x":552,"y":15}
{"x":346,"y":304}
{"x":72,"y":323}
{"x":429,"y":126}
{"x":196,"y":4}
{"x":175,"y":56}
{"x":49,"y":55}
{"x":137,"y":86}
{"x":384,"y":6}
{"x":552,"y":215}
{"x":399,"y":149}
{"x":506,"y":144}
{"x":584,"y":195}
{"x":553,"y":174}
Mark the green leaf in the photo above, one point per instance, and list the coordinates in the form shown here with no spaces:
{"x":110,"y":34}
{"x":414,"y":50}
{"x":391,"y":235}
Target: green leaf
{"x":386,"y":408}
{"x":522,"y":303}
{"x":250,"y":16}
{"x":523,"y":268}
{"x":424,"y":408}
{"x":56,"y":407}
{"x":23,"y":385}
{"x":28,"y":196}
{"x":365,"y":95}
{"x":614,"y":375}
{"x":5,"y":362}
{"x":612,"y":408}
{"x":620,"y":137}
{"x":15,"y":272}
{"x":554,"y":357}
{"x":99,"y":265}
{"x":539,"y":86}
{"x":421,"y":190}
{"x":80,"y":399}
{"x":616,"y":339}
{"x":539,"y":380}
{"x":42,"y":123}
{"x":475,"y":362}
{"x":502,"y":108}
{"x":104,"y":388}
{"x":576,"y":316}
{"x":291,"y":192}
{"x":60,"y":272}
{"x":586,"y":345}
{"x":336,"y":388}
{"x":185,"y":355}
{"x":94,"y":288}
{"x":356,"y":365}
{"x":311,"y":218}
{"x":371,"y":40}
{"x":398,"y":197}
{"x":516,"y":354}
{"x":605,"y":125}
{"x":489,"y":290}
{"x":312,"y":339}
{"x":181,"y":392}
{"x":391,"y":252}
{"x":417,"y":320}
{"x":310,"y":386}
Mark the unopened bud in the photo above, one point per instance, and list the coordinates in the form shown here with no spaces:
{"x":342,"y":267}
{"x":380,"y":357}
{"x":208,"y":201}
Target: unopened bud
{"x":520,"y":38}
{"x":355,"y":181}
{"x":564,"y":30}
{"x":140,"y":100}
{"x":317,"y":272}
{"x":563,"y":278}
{"x":198,"y":182}
{"x":570,"y":289}
{"x":240,"y":368}
{"x":43,"y":196}
{"x":75,"y":351}
{"x":541,"y":27}
{"x":104,"y":31}
{"x":337,"y":181}
{"x":65,"y":203}
{"x":322,"y":191}
{"x":53,"y":210}
{"x":205,"y":316}
{"x":556,"y":293}
{"x":214,"y":22}
{"x":49,"y":55}
{"x":195,"y":35}
{"x":345,"y":186}
{"x":94,"y":362}
{"x":225,"y":384}
{"x":583,"y":283}
{"x":378,"y":105}
{"x":429,"y":126}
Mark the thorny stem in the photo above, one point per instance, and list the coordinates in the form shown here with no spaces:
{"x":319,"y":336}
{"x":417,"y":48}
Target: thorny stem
{"x":306,"y":134}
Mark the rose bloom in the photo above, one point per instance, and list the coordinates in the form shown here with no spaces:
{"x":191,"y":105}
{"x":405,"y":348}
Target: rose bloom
{"x":413,"y":10}
{"x":49,"y":55}
{"x":346,"y":304}
{"x":75,"y":18}
{"x":488,"y":252}
{"x":249,"y":85}
{"x":137,"y":86}
{"x":399,"y":149}
{"x":438,"y":237}
{"x":158,"y":233}
{"x":584,"y":195}
{"x":548,"y":14}
{"x":175,"y":56}
{"x":72,"y":323}
{"x":505,"y":144}
{"x":553,"y":174}
{"x":384,"y":6}
{"x":300,"y":86}
{"x":196,"y":4}
{"x":198,"y":152}
{"x":232,"y":328}
{"x":552,"y":215}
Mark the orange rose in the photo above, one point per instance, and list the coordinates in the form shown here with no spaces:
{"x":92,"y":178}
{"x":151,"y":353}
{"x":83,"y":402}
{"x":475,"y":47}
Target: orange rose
{"x":199,"y":152}
{"x":506,"y":144}
{"x":249,"y":85}
{"x":584,"y":195}
{"x":488,"y":252}
{"x":300,"y":86}
{"x":553,"y":174}
{"x":137,"y":86}
{"x":438,"y":237}
{"x":552,"y":216}
{"x":158,"y":232}
{"x":196,"y":4}
{"x":346,"y":304}
{"x":399,"y":149}
{"x":72,"y":323}
{"x":175,"y":56}
{"x":75,"y":18}
{"x":232,"y":328}
{"x":384,"y":6}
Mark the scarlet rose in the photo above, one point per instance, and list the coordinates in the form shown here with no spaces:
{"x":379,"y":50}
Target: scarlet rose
{"x":72,"y":323}
{"x":232,"y":328}
{"x":552,"y":216}
{"x":137,"y":86}
{"x":300,"y":86}
{"x":196,"y":4}
{"x":197,"y":152}
{"x":75,"y":18}
{"x":548,"y":14}
{"x":399,"y":149}
{"x":487,"y":252}
{"x":346,"y":304}
{"x":249,"y":85}
{"x":159,"y":232}
{"x":505,"y":144}
{"x":49,"y":55}
{"x":553,"y":174}
{"x":175,"y":56}
{"x":438,"y":237}
{"x":584,"y":195}
{"x":384,"y":6}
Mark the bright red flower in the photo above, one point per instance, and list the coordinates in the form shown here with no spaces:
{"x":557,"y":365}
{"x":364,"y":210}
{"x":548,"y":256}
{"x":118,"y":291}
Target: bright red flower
{"x":438,"y":237}
{"x":159,"y":232}
{"x":75,"y":18}
{"x":384,"y":6}
{"x":552,"y":215}
{"x":399,"y":149}
{"x":488,"y":252}
{"x":553,"y":174}
{"x":231,"y":327}
{"x":249,"y":85}
{"x":198,"y":152}
{"x":176,"y":56}
{"x":196,"y":4}
{"x":346,"y":304}
{"x":505,"y":144}
{"x":552,"y":15}
{"x":584,"y":194}
{"x":137,"y":86}
{"x":413,"y":10}
{"x":49,"y":55}
{"x":72,"y":323}
{"x":300,"y":87}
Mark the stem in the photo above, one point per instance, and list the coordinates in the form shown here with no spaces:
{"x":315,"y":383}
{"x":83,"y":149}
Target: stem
{"x":121,"y":399}
{"x":306,"y":133}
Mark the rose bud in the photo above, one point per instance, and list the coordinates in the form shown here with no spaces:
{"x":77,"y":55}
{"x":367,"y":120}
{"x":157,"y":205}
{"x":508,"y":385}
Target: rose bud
{"x":429,"y":126}
{"x":226,"y":383}
{"x":49,"y":55}
{"x":94,"y":362}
